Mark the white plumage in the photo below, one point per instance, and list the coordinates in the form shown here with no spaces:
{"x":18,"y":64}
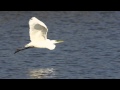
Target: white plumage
{"x":38,"y":36}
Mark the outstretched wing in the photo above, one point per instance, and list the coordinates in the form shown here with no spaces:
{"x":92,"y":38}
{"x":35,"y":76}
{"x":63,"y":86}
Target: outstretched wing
{"x":38,"y":30}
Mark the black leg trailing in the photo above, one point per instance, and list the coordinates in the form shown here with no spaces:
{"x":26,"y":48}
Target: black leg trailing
{"x":20,"y":49}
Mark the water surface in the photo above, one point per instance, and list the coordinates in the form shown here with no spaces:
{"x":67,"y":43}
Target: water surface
{"x":91,"y":49}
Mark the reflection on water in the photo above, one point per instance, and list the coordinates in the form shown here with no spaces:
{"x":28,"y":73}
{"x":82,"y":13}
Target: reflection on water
{"x":42,"y":73}
{"x":91,"y":48}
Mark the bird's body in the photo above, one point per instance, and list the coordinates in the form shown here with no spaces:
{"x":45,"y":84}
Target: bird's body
{"x":38,"y":36}
{"x":42,"y":44}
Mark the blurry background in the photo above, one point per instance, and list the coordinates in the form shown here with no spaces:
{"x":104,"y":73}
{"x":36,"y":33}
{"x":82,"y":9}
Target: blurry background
{"x":91,"y":49}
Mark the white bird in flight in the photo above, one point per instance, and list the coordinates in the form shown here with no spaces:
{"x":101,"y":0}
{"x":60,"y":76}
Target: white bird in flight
{"x":38,"y":36}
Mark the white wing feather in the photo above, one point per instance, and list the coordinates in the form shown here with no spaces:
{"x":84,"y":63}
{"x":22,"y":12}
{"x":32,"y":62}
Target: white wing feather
{"x":38,"y":30}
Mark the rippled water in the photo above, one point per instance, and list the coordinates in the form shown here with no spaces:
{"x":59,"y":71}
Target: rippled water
{"x":91,"y":49}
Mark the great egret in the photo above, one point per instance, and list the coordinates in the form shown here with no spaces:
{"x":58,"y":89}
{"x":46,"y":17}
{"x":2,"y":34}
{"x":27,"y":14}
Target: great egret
{"x":38,"y":36}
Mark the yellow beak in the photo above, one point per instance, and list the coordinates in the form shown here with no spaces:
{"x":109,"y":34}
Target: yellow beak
{"x":59,"y":41}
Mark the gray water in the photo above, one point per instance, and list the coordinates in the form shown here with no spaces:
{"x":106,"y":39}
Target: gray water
{"x":91,"y":49}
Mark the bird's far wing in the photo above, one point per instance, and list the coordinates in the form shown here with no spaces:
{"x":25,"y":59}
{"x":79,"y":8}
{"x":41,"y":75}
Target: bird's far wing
{"x":38,"y":30}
